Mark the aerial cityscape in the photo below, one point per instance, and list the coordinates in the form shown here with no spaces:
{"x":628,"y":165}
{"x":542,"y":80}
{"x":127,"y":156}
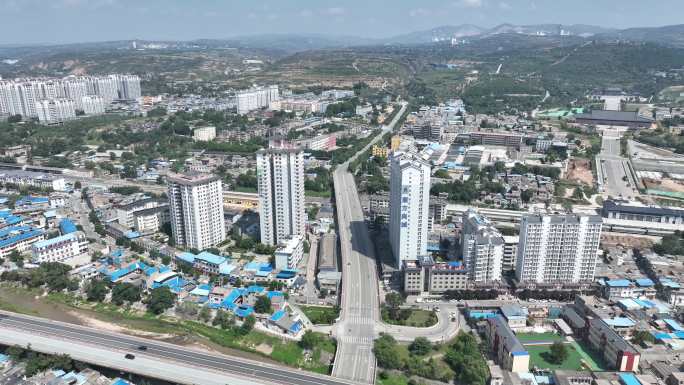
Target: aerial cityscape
{"x":467,"y":192}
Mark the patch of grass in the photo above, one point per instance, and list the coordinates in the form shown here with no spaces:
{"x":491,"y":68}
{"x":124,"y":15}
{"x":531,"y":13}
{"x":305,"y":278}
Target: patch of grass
{"x":288,"y":353}
{"x":392,"y":379}
{"x":320,"y":314}
{"x":539,"y":357}
{"x":318,"y":194}
{"x":416,"y":318}
{"x":531,"y":337}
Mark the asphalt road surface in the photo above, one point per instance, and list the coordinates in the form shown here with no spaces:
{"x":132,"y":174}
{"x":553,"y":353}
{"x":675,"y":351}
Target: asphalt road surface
{"x":256,"y":372}
{"x":360,"y":307}
{"x":617,"y":181}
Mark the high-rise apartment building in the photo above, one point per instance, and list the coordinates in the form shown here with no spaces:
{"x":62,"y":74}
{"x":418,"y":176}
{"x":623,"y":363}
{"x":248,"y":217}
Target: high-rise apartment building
{"x":409,"y":207}
{"x":196,"y":208}
{"x":483,"y":248}
{"x":255,"y":98}
{"x":129,"y":87}
{"x":55,"y":110}
{"x":87,"y":93}
{"x":280,"y":181}
{"x":558,"y":249}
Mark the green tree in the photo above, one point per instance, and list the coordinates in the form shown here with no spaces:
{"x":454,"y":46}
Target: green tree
{"x":96,"y":290}
{"x":466,"y":360}
{"x":205,"y":314}
{"x":160,"y":299}
{"x":310,"y":340}
{"x":393,"y":301}
{"x":247,"y":325}
{"x":125,"y":292}
{"x":387,"y":353}
{"x":263,"y":305}
{"x":223,"y":319}
{"x":16,"y":257}
{"x":558,"y":353}
{"x":420,"y":346}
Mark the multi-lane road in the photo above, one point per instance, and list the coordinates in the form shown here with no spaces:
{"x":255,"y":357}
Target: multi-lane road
{"x":108,"y":349}
{"x":617,"y":180}
{"x":360,"y":307}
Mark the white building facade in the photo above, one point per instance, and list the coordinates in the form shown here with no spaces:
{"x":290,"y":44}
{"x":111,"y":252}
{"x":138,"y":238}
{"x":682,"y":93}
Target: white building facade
{"x":558,"y":249}
{"x":256,"y":98}
{"x":289,"y":253}
{"x":59,"y":249}
{"x":196,"y":210}
{"x":280,"y":182}
{"x":482,"y":247}
{"x":409,"y":207}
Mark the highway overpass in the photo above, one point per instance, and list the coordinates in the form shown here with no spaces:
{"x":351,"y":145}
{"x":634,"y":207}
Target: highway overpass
{"x":160,"y":360}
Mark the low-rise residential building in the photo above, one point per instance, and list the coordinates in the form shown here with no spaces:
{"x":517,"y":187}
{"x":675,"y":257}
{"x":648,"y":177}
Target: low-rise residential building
{"x":126,"y":212}
{"x":207,"y":263}
{"x":19,"y":238}
{"x":204,"y":134}
{"x":151,"y":220}
{"x":510,"y":354}
{"x":329,"y":276}
{"x":616,"y":351}
{"x":435,"y":278}
{"x":379,"y":151}
{"x":33,"y":179}
{"x":289,"y":253}
{"x":60,"y":249}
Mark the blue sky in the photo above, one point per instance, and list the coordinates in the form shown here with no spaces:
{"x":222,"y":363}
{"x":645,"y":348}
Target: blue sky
{"x":57,"y":21}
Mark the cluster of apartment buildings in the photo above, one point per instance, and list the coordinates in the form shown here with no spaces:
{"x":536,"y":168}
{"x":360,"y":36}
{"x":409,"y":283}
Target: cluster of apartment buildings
{"x":552,"y":250}
{"x":255,"y":98}
{"x":57,"y":100}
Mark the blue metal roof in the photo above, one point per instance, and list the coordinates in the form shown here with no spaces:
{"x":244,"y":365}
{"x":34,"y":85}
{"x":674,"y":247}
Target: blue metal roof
{"x":644,"y":282}
{"x":53,"y":241}
{"x":618,"y":283}
{"x":277,"y":315}
{"x":66,"y":226}
{"x":674,"y":325}
{"x":14,"y":234}
{"x":619,"y":322}
{"x":255,"y":289}
{"x":210,"y":258}
{"x":286,"y":274}
{"x":296,"y":327}
{"x":243,"y":311}
{"x":629,"y":379}
{"x":186,"y":257}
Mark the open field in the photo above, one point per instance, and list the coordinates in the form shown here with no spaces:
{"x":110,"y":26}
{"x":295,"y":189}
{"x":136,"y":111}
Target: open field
{"x":579,"y":171}
{"x":538,"y":337}
{"x":576,"y":355}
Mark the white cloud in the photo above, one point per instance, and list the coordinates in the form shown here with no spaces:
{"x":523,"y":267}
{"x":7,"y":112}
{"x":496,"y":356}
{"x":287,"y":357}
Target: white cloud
{"x":504,"y":5}
{"x":420,"y":12}
{"x":334,"y":11}
{"x":306,"y":13}
{"x":468,"y":3}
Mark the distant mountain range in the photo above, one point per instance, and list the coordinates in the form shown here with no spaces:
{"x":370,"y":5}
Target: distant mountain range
{"x":672,"y":35}
{"x":669,"y":35}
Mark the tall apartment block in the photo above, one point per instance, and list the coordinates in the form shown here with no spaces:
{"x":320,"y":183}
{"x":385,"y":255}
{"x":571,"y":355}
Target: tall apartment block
{"x":558,"y":248}
{"x":255,"y":98}
{"x":409,"y":207}
{"x":483,"y":248}
{"x":56,"y":100}
{"x":196,"y":208}
{"x":280,"y":182}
